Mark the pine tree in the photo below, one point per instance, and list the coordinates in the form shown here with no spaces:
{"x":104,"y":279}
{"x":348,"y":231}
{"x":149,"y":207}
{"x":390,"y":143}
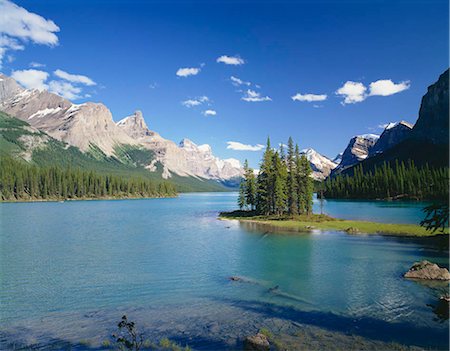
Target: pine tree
{"x":250,"y":186}
{"x":308,"y":185}
{"x":241,"y":199}
{"x":291,"y":186}
{"x":265,"y":184}
{"x":280,"y":175}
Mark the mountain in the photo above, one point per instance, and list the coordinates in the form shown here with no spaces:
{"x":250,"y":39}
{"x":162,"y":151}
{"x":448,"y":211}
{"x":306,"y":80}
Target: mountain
{"x":357,"y":150}
{"x":432,"y":126}
{"x":84,"y":126}
{"x":338,"y":158}
{"x":185,"y":159}
{"x":393,"y":134}
{"x":320,"y":165}
{"x":21,"y":141}
{"x":90,"y":128}
{"x":428,"y":141}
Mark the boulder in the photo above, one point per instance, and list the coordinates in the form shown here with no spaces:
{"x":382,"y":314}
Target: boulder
{"x":427,"y":270}
{"x":258,"y":342}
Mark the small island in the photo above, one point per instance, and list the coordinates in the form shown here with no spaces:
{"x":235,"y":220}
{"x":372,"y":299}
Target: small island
{"x":280,"y":198}
{"x":308,"y":223}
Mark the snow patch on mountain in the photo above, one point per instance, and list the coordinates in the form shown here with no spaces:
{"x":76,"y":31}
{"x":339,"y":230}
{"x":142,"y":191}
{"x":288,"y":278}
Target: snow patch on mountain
{"x":320,"y":165}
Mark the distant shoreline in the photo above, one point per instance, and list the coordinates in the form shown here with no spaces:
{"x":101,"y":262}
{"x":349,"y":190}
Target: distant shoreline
{"x":304,"y":223}
{"x":109,"y":198}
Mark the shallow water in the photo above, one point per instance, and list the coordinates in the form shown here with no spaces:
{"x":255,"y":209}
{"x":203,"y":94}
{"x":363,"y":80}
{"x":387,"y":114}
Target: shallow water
{"x":69,"y":270}
{"x":409,"y":212}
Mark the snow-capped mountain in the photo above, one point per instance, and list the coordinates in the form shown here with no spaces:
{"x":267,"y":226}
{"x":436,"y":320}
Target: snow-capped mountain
{"x":358,"y":149}
{"x":85,"y":125}
{"x":184,"y":159}
{"x":393,"y":134}
{"x":320,"y":165}
{"x":90,"y":125}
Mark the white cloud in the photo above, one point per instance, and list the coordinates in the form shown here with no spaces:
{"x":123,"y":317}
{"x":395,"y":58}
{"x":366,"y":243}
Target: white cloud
{"x":210,"y":113}
{"x":386,"y":87}
{"x":36,"y":64}
{"x":186,"y":72}
{"x":74,"y":78}
{"x":7,"y":43}
{"x":153,"y":85}
{"x":254,"y":96}
{"x":36,"y":79}
{"x":31,"y":78}
{"x":237,"y":82}
{"x":309,"y":97}
{"x":235,"y":145}
{"x":230,"y":60}
{"x":16,"y":23}
{"x":65,"y":90}
{"x":352,"y":92}
{"x":195,"y":102}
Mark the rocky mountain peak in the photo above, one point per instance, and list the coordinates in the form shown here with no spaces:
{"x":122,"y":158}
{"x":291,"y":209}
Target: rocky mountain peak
{"x":393,"y":134}
{"x":188,"y":144}
{"x":8,"y":87}
{"x":357,"y":150}
{"x":135,"y":126}
{"x":432,"y":126}
{"x":320,"y":165}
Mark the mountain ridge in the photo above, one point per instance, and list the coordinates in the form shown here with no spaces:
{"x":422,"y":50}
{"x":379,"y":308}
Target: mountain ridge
{"x":91,"y":126}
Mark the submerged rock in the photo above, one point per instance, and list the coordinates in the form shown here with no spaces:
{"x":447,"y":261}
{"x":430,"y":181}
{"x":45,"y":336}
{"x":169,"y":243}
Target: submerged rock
{"x":258,"y":342}
{"x":427,"y":270}
{"x":352,"y":230}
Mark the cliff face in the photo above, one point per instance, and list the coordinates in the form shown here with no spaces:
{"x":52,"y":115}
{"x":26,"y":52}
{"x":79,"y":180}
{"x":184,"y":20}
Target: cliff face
{"x":81,"y":125}
{"x":392,"y":135}
{"x":357,"y":150}
{"x":427,"y":143}
{"x":432,"y":126}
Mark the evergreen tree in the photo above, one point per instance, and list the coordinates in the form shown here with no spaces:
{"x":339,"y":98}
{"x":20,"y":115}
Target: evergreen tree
{"x":241,"y":198}
{"x":291,"y":186}
{"x":391,"y":180}
{"x":250,"y":186}
{"x":280,"y":175}
{"x":307,"y":184}
{"x":265,"y":183}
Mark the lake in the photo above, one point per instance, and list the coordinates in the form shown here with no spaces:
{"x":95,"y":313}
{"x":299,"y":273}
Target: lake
{"x":70,"y":270}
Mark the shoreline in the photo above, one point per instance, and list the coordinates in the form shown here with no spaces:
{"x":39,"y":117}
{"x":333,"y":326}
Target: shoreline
{"x":112,"y":198}
{"x":324,"y":223}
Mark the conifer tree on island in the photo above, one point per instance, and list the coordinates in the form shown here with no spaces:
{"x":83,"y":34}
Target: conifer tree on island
{"x":283,"y":185}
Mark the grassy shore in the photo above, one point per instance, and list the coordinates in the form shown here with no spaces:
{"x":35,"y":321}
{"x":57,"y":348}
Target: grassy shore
{"x":305,"y":223}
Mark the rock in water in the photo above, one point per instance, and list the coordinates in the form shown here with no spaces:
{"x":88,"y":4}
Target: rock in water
{"x":258,"y":342}
{"x":427,"y":270}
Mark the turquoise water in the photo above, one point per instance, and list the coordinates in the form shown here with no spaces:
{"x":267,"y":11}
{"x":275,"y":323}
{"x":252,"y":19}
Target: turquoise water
{"x":167,"y":261}
{"x":377,"y":211}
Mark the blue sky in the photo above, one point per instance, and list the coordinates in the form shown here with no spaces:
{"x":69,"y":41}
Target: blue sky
{"x":131,"y":52}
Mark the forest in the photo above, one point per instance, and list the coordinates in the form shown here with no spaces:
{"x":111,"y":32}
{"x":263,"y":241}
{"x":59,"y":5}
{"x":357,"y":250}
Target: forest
{"x":20,"y":181}
{"x":283,"y":185}
{"x":400,"y":180}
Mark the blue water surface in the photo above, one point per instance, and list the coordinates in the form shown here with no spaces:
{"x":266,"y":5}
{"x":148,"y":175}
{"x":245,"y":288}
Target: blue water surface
{"x":60,"y":260}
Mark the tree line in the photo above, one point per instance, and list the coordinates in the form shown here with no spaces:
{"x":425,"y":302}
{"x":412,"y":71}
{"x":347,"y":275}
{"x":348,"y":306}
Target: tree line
{"x":283,"y":184}
{"x":390,"y":181}
{"x":22,"y":181}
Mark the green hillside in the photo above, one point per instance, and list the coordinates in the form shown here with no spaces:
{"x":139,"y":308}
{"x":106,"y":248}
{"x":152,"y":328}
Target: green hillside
{"x":20,"y":141}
